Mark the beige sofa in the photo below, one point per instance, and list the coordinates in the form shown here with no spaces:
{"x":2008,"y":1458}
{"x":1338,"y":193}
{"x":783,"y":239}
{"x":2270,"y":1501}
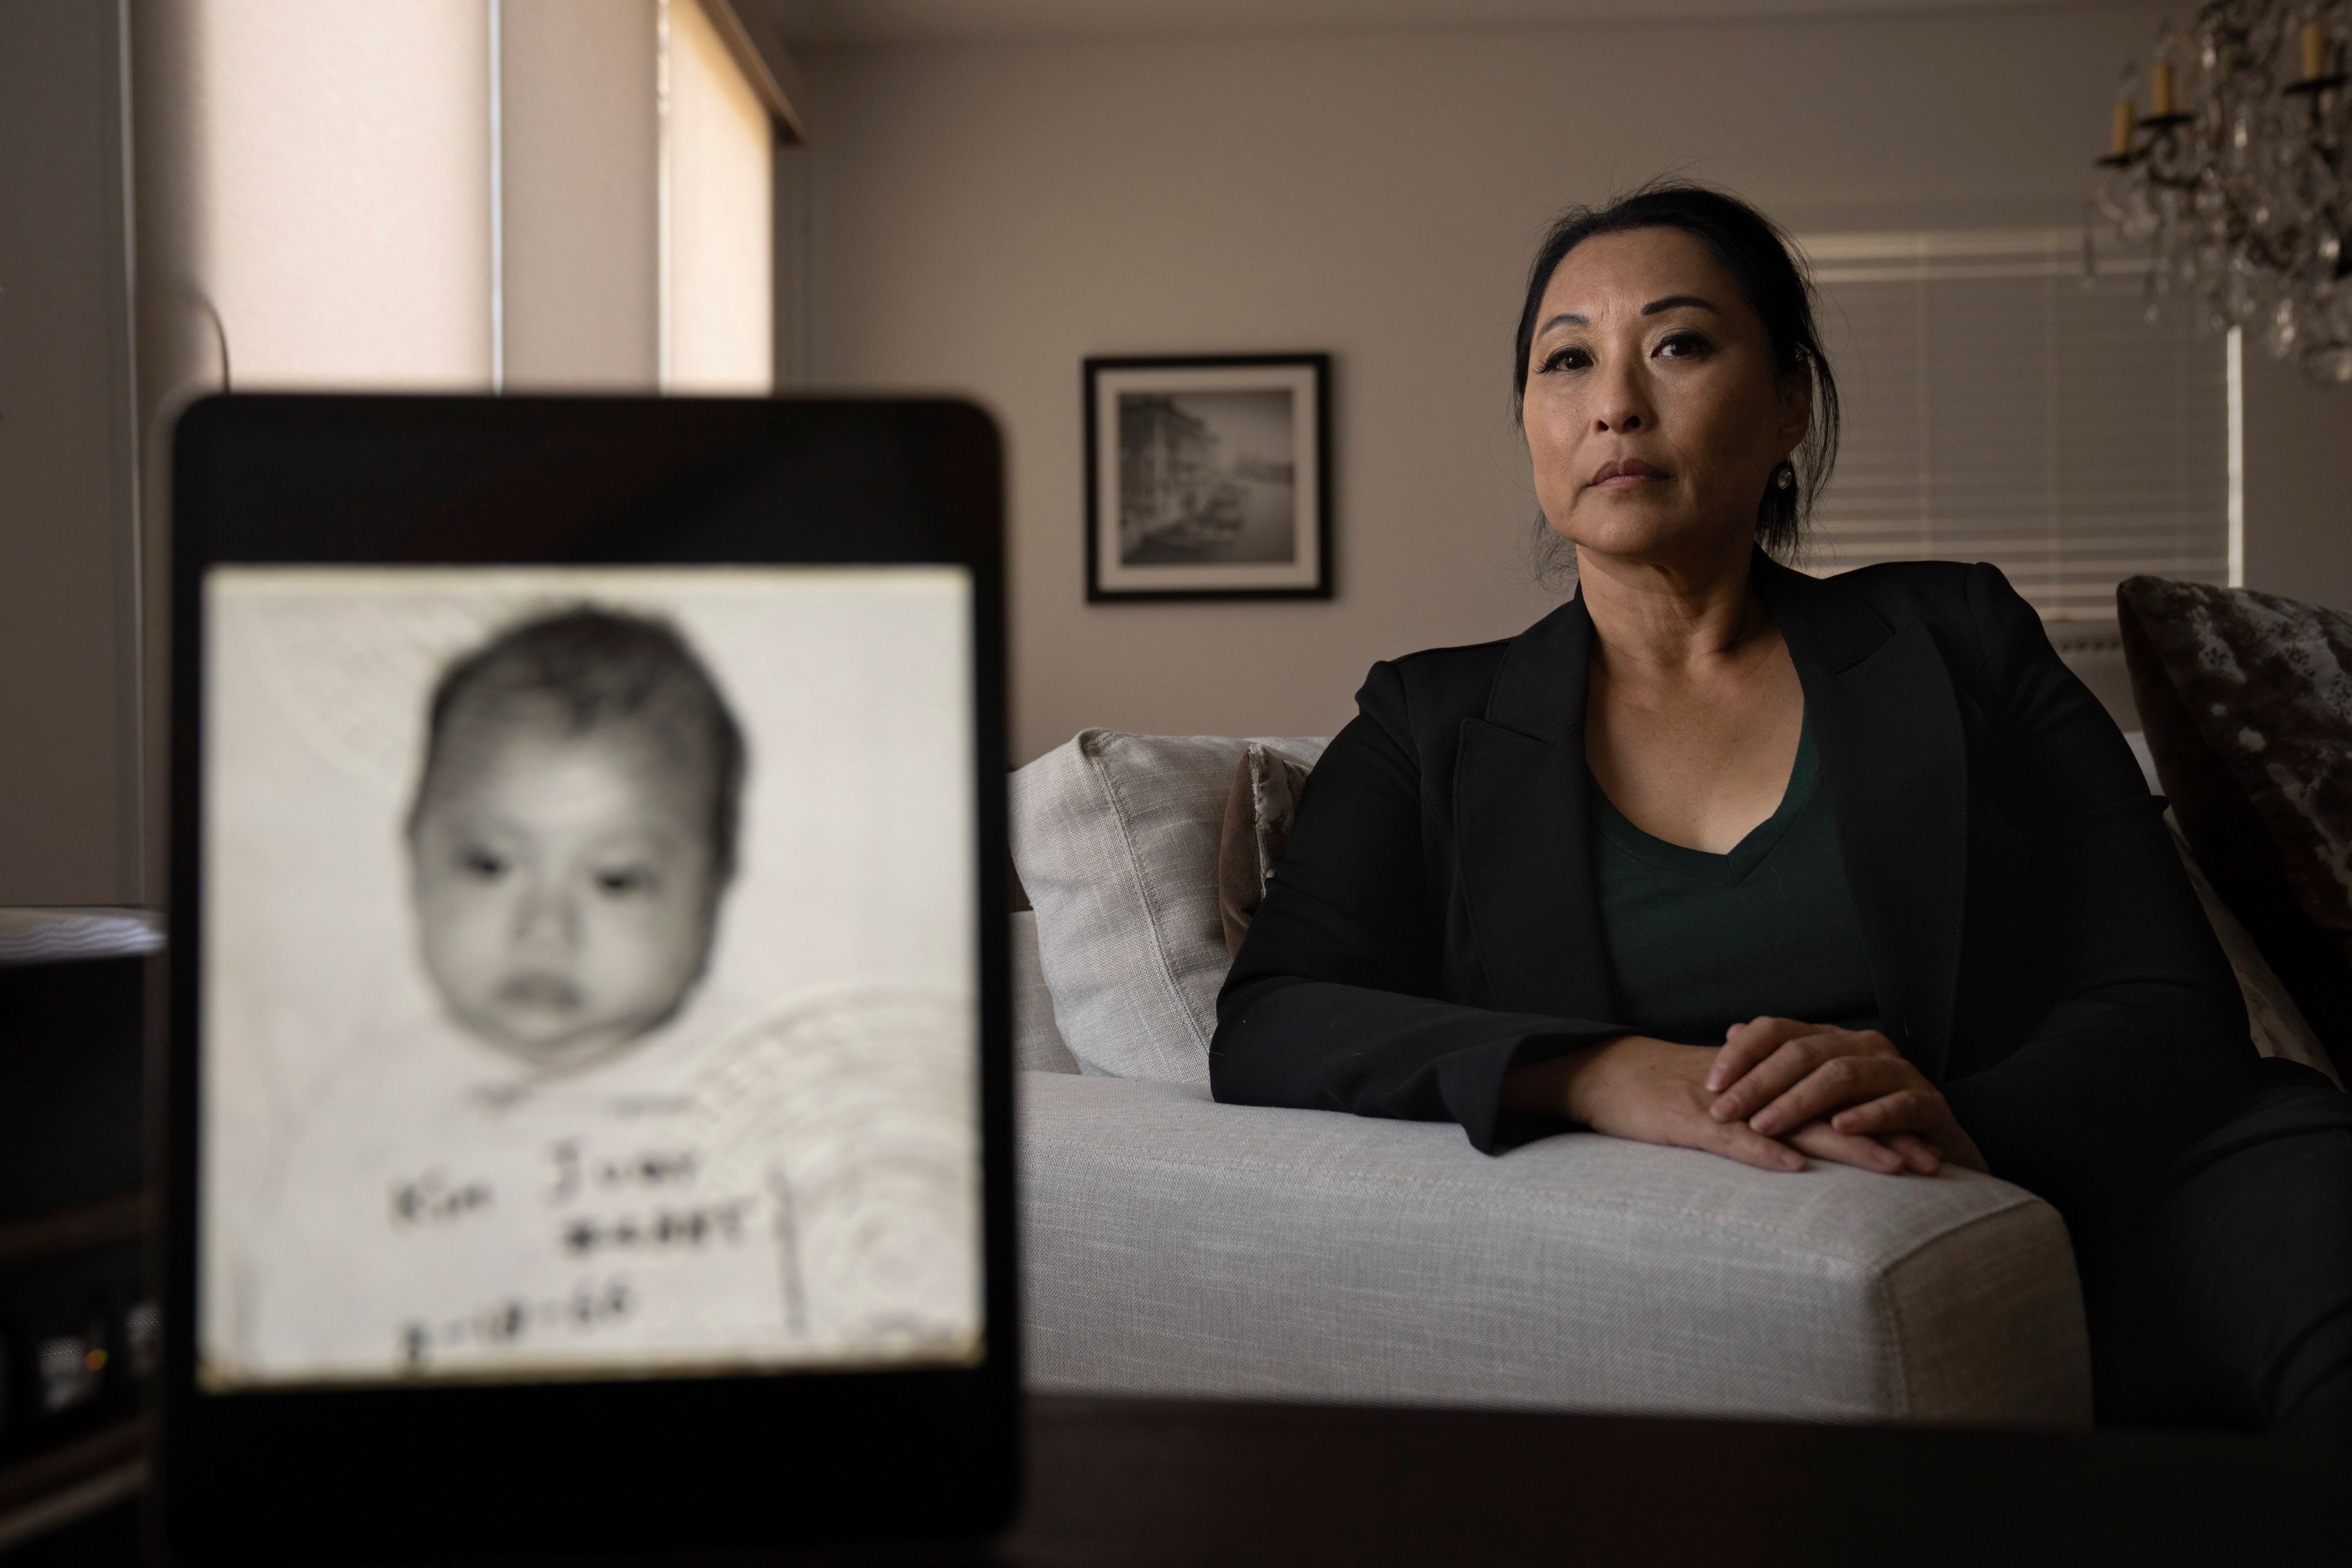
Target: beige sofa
{"x":1172,"y":1245}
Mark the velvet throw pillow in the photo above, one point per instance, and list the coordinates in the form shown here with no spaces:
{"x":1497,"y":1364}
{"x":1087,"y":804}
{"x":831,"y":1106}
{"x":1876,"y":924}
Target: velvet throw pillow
{"x":1257,"y":829}
{"x":2247,"y":702}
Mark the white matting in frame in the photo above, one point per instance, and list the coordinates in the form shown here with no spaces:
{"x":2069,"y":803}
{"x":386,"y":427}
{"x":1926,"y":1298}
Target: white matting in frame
{"x":1207,"y":477}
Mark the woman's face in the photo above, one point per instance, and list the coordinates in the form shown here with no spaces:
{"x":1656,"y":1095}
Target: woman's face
{"x":1654,"y":411}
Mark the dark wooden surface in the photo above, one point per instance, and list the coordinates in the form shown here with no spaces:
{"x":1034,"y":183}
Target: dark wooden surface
{"x":1152,"y":1482}
{"x":1116,"y":1482}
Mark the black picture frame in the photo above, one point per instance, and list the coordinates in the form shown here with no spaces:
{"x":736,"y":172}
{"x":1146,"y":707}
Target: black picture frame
{"x":490,"y":1470}
{"x":1214,"y":534}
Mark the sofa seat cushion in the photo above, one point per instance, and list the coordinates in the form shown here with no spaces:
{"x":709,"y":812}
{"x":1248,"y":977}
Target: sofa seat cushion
{"x":1172,"y":1245}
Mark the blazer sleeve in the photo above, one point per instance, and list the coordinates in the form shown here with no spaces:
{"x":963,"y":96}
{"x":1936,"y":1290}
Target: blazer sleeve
{"x":2146,"y":1047}
{"x":1336,"y":1000}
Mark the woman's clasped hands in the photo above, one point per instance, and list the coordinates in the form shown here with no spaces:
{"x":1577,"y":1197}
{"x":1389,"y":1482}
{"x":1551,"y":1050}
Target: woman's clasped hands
{"x":1847,"y":1095}
{"x":1776,"y":1090}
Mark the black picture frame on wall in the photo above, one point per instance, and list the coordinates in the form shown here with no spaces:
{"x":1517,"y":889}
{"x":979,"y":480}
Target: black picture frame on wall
{"x":1208,"y":477}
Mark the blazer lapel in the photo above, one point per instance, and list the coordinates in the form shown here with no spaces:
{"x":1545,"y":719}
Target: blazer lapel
{"x":1887,"y":722}
{"x":1521,"y":812}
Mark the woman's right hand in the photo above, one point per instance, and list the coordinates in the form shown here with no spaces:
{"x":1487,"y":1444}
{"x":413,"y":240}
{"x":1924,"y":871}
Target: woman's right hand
{"x":1654,"y":1092}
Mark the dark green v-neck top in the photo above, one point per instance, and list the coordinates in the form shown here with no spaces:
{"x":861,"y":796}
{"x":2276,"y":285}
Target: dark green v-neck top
{"x":1697,"y":941}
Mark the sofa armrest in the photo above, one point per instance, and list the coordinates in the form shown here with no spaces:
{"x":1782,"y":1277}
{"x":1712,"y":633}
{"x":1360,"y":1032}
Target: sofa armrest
{"x":1173,"y":1246}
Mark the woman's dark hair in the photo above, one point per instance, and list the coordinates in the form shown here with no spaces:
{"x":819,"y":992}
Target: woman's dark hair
{"x":591,"y":669}
{"x":1751,"y":248}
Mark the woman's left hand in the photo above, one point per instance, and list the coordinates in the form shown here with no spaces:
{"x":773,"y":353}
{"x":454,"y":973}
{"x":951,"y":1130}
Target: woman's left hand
{"x":1780,"y":1075}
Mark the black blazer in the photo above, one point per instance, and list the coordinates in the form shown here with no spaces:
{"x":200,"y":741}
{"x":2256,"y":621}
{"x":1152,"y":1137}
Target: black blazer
{"x":2035,"y":944}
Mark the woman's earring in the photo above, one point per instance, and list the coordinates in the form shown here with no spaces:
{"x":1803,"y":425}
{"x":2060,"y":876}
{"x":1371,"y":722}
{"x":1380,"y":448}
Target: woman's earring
{"x":1786,"y":480}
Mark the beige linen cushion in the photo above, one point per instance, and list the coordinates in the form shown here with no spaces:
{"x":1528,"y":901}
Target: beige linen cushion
{"x":1114,"y":836}
{"x":1036,"y":1044}
{"x":2279,"y":1026}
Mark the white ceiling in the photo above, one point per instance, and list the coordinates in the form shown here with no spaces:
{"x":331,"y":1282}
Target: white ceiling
{"x":815,"y":23}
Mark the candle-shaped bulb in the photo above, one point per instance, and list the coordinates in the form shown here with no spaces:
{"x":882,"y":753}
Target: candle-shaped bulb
{"x":2162,"y":93}
{"x":2124,"y":120}
{"x":2315,"y":51}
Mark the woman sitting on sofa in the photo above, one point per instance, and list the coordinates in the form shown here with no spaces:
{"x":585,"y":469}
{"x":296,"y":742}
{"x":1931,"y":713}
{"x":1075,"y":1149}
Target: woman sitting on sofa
{"x":1724,"y":856}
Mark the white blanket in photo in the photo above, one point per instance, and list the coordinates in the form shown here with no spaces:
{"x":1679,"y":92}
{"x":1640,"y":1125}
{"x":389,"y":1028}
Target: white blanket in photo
{"x":794,"y":1186}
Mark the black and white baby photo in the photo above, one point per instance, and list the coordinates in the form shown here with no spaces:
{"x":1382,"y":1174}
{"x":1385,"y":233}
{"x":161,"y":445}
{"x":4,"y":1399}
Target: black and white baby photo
{"x":584,"y":990}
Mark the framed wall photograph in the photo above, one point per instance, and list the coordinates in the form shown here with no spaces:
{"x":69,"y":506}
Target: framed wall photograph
{"x":1208,"y":477}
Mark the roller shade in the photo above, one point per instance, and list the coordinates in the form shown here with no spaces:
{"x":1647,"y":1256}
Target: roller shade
{"x":463,"y":194}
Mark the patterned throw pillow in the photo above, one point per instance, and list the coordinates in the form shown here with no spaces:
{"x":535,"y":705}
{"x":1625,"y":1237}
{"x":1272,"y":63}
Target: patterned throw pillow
{"x":2247,"y":701}
{"x":1258,"y":830}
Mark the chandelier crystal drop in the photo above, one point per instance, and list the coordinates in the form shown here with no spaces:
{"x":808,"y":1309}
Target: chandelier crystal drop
{"x":2235,"y":180}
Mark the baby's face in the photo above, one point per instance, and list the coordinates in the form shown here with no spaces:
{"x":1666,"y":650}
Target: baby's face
{"x":565,"y":888}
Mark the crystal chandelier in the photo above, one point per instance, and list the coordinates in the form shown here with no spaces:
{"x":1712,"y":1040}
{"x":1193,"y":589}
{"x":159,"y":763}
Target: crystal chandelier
{"x":2236,"y":178}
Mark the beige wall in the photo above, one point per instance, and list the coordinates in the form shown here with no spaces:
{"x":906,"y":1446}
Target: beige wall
{"x":68,"y":778}
{"x":2299,"y":470}
{"x":980,"y":218}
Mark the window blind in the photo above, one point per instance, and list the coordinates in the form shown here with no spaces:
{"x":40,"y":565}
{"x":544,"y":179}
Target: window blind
{"x":1999,"y":406}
